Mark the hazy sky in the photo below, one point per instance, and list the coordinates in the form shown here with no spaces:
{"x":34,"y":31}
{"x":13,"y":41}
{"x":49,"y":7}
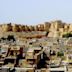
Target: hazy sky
{"x":35,"y":11}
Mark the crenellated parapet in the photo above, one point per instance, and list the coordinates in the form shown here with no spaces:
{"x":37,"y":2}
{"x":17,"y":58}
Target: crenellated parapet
{"x":54,"y":28}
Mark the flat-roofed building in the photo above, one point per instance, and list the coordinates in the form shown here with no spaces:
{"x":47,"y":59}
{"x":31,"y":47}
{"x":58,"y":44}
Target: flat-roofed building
{"x":30,"y":54}
{"x":59,"y":69}
{"x":24,"y":69}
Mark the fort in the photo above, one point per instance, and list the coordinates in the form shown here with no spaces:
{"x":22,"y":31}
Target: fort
{"x":39,"y":48}
{"x":54,"y":28}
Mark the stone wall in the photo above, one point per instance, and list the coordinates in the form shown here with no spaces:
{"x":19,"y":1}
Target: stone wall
{"x":55,"y":28}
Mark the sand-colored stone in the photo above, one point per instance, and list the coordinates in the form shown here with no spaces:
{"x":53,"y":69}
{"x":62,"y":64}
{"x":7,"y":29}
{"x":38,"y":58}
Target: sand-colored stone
{"x":56,"y":25}
{"x":36,"y":28}
{"x":47,"y":26}
{"x":41,"y":27}
{"x":31,"y":28}
{"x":15,"y":28}
{"x":70,"y":27}
{"x":7,"y":27}
{"x":55,"y":28}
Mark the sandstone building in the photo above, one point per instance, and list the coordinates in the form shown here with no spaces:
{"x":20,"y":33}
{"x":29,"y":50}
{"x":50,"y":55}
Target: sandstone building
{"x":54,"y":28}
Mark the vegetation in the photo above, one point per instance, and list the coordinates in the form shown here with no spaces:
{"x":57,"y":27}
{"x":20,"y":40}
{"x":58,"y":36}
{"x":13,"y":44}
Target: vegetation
{"x":9,"y":38}
{"x":60,"y":54}
{"x":67,"y":35}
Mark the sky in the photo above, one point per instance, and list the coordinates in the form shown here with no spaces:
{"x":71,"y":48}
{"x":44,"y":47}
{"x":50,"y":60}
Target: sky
{"x":33,"y":12}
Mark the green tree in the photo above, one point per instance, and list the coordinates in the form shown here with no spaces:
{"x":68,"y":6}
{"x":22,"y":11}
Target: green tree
{"x":60,"y":53}
{"x":67,"y":35}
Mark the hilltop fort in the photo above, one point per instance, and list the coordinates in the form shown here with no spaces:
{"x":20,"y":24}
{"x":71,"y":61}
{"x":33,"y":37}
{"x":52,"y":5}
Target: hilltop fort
{"x":54,"y":28}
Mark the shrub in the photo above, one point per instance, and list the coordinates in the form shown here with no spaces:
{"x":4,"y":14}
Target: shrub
{"x":67,"y":35}
{"x":60,"y":54}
